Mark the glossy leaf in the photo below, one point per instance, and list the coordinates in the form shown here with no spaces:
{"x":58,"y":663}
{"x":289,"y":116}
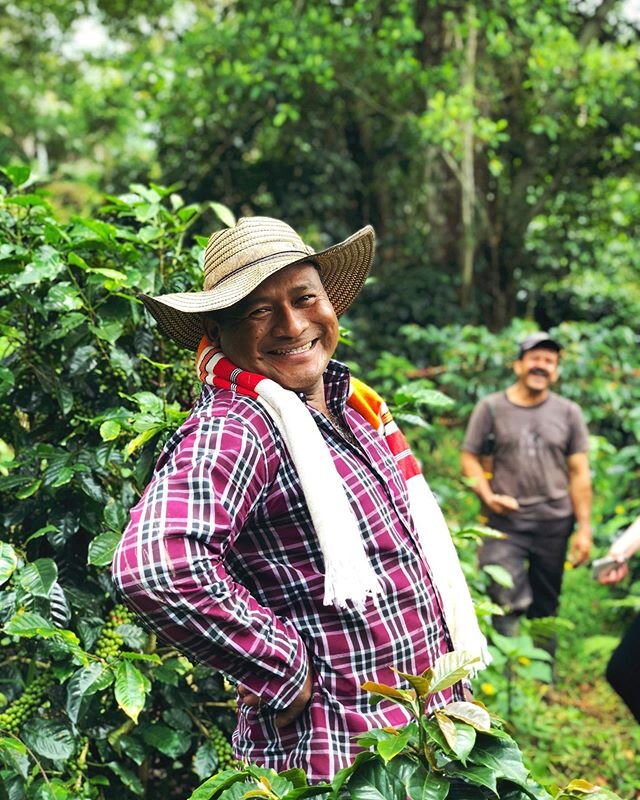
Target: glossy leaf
{"x":131,"y":687}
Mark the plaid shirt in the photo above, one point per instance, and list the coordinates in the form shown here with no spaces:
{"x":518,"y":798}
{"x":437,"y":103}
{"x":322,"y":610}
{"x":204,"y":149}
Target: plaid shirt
{"x":220,"y":557}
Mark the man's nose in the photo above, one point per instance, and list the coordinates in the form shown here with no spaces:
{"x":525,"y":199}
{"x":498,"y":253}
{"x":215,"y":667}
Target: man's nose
{"x":289,"y":322}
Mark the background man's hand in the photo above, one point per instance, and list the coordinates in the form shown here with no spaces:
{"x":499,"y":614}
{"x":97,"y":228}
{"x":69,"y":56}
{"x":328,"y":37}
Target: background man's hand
{"x":502,"y":503}
{"x":580,"y":546}
{"x":247,"y":698}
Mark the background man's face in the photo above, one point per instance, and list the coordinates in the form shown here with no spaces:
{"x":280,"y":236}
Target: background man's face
{"x":537,"y":369}
{"x":286,"y":329}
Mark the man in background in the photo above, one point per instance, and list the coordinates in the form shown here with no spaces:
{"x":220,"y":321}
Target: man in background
{"x":537,"y":488}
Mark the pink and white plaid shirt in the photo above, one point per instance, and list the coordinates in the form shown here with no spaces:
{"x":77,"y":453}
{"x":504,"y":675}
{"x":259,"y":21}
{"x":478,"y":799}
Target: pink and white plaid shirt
{"x":221,"y":559}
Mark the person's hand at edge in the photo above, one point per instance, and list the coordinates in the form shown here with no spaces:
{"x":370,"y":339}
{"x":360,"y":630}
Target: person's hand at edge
{"x":615,"y":574}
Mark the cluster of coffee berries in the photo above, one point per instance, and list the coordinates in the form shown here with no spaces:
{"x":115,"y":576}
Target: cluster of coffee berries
{"x":21,"y":709}
{"x":223,"y":748}
{"x":110,"y":642}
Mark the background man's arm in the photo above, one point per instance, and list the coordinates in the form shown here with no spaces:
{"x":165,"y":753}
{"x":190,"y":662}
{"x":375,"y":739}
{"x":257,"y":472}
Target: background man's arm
{"x":580,"y":493}
{"x":472,"y":468}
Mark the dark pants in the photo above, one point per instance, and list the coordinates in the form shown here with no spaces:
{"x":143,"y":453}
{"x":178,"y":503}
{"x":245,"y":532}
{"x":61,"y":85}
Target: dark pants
{"x":622,"y":669}
{"x":535,"y":560}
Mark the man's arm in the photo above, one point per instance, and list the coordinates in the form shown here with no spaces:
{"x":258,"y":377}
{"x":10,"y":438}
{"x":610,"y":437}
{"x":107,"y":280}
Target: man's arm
{"x":472,"y":468}
{"x":170,"y":564}
{"x":580,"y":493}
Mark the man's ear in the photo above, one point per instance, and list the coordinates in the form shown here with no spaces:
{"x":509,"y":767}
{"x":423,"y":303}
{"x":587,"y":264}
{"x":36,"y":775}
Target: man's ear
{"x":211,"y":328}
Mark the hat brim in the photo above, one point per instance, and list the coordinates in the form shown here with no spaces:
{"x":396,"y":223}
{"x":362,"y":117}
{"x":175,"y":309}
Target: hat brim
{"x":343,"y":270}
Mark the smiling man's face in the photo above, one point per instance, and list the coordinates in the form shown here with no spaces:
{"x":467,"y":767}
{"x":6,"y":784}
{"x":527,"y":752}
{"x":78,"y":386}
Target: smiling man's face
{"x":286,"y":330}
{"x":537,"y":369}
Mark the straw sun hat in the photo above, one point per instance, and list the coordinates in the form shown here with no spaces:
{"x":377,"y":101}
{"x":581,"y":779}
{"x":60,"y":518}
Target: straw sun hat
{"x":238,"y":259}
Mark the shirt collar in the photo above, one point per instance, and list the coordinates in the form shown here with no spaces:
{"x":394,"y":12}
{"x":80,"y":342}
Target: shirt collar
{"x":337,"y":380}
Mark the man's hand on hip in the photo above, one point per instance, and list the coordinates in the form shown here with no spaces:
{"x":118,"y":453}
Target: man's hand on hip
{"x":502,"y":503}
{"x":247,"y":698}
{"x":299,"y":704}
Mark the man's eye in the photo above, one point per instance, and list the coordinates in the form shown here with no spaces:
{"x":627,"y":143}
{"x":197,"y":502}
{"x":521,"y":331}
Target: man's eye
{"x":258,"y":313}
{"x":306,"y":299}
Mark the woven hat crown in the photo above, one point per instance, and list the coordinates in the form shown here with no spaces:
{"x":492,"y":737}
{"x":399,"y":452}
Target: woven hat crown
{"x":238,"y":259}
{"x":251,"y":242}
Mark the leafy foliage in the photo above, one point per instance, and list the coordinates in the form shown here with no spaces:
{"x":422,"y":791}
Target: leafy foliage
{"x":95,"y":706}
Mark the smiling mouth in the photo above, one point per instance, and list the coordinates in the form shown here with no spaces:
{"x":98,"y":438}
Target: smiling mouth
{"x":293,"y":351}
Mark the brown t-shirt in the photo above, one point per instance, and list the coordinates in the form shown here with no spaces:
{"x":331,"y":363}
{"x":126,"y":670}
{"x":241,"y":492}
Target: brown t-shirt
{"x":530,"y":451}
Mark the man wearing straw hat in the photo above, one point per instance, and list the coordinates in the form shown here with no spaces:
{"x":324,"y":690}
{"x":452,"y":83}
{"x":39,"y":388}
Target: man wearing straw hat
{"x":287,"y":536}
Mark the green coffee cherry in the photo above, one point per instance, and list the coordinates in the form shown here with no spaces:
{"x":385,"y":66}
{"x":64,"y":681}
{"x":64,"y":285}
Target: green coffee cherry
{"x":110,"y":642}
{"x":24,"y":706}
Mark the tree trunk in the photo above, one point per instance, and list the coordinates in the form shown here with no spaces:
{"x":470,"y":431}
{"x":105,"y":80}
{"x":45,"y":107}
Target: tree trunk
{"x":467,"y":176}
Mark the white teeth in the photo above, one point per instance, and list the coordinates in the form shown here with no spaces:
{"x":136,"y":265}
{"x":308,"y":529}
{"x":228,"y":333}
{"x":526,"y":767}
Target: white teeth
{"x":302,"y":349}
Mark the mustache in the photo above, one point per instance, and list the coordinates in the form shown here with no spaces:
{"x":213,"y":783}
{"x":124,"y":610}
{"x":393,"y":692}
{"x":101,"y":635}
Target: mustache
{"x":539,"y":371}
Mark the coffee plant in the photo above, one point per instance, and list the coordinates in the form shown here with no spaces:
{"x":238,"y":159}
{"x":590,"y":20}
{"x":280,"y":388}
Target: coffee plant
{"x":93,"y":705}
{"x":459,"y":752}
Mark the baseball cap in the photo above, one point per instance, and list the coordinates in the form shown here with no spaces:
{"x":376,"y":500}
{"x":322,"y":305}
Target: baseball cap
{"x":539,"y":339}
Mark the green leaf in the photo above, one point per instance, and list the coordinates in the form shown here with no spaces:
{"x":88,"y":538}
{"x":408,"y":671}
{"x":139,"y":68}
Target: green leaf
{"x":167,"y":740}
{"x":106,"y":272}
{"x":29,"y":490}
{"x":115,"y":515}
{"x":388,"y":692}
{"x":53,"y":789}
{"x":224,"y":214}
{"x":502,"y":756}
{"x":425,"y":785}
{"x":149,"y":233}
{"x":374,"y":782}
{"x":217,"y":784}
{"x":479,"y":776}
{"x":17,"y":173}
{"x":141,"y":439}
{"x":394,"y":744}
{"x":77,"y":261}
{"x":108,"y":331}
{"x":499,"y":575}
{"x":49,"y":738}
{"x":46,"y":265}
{"x":128,"y":777}
{"x":102,"y":549}
{"x":13,"y":754}
{"x":28,"y":623}
{"x":471,"y":713}
{"x":420,"y":683}
{"x":83,"y":684}
{"x":460,"y":737}
{"x":8,"y":561}
{"x":38,"y":577}
{"x":451,"y":668}
{"x":130,"y":689}
{"x":133,"y":635}
{"x":110,"y":430}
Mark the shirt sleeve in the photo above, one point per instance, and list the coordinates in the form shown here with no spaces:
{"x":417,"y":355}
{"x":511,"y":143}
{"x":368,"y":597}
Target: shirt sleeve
{"x":170,"y":563}
{"x":478,"y":429}
{"x":579,"y":433}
